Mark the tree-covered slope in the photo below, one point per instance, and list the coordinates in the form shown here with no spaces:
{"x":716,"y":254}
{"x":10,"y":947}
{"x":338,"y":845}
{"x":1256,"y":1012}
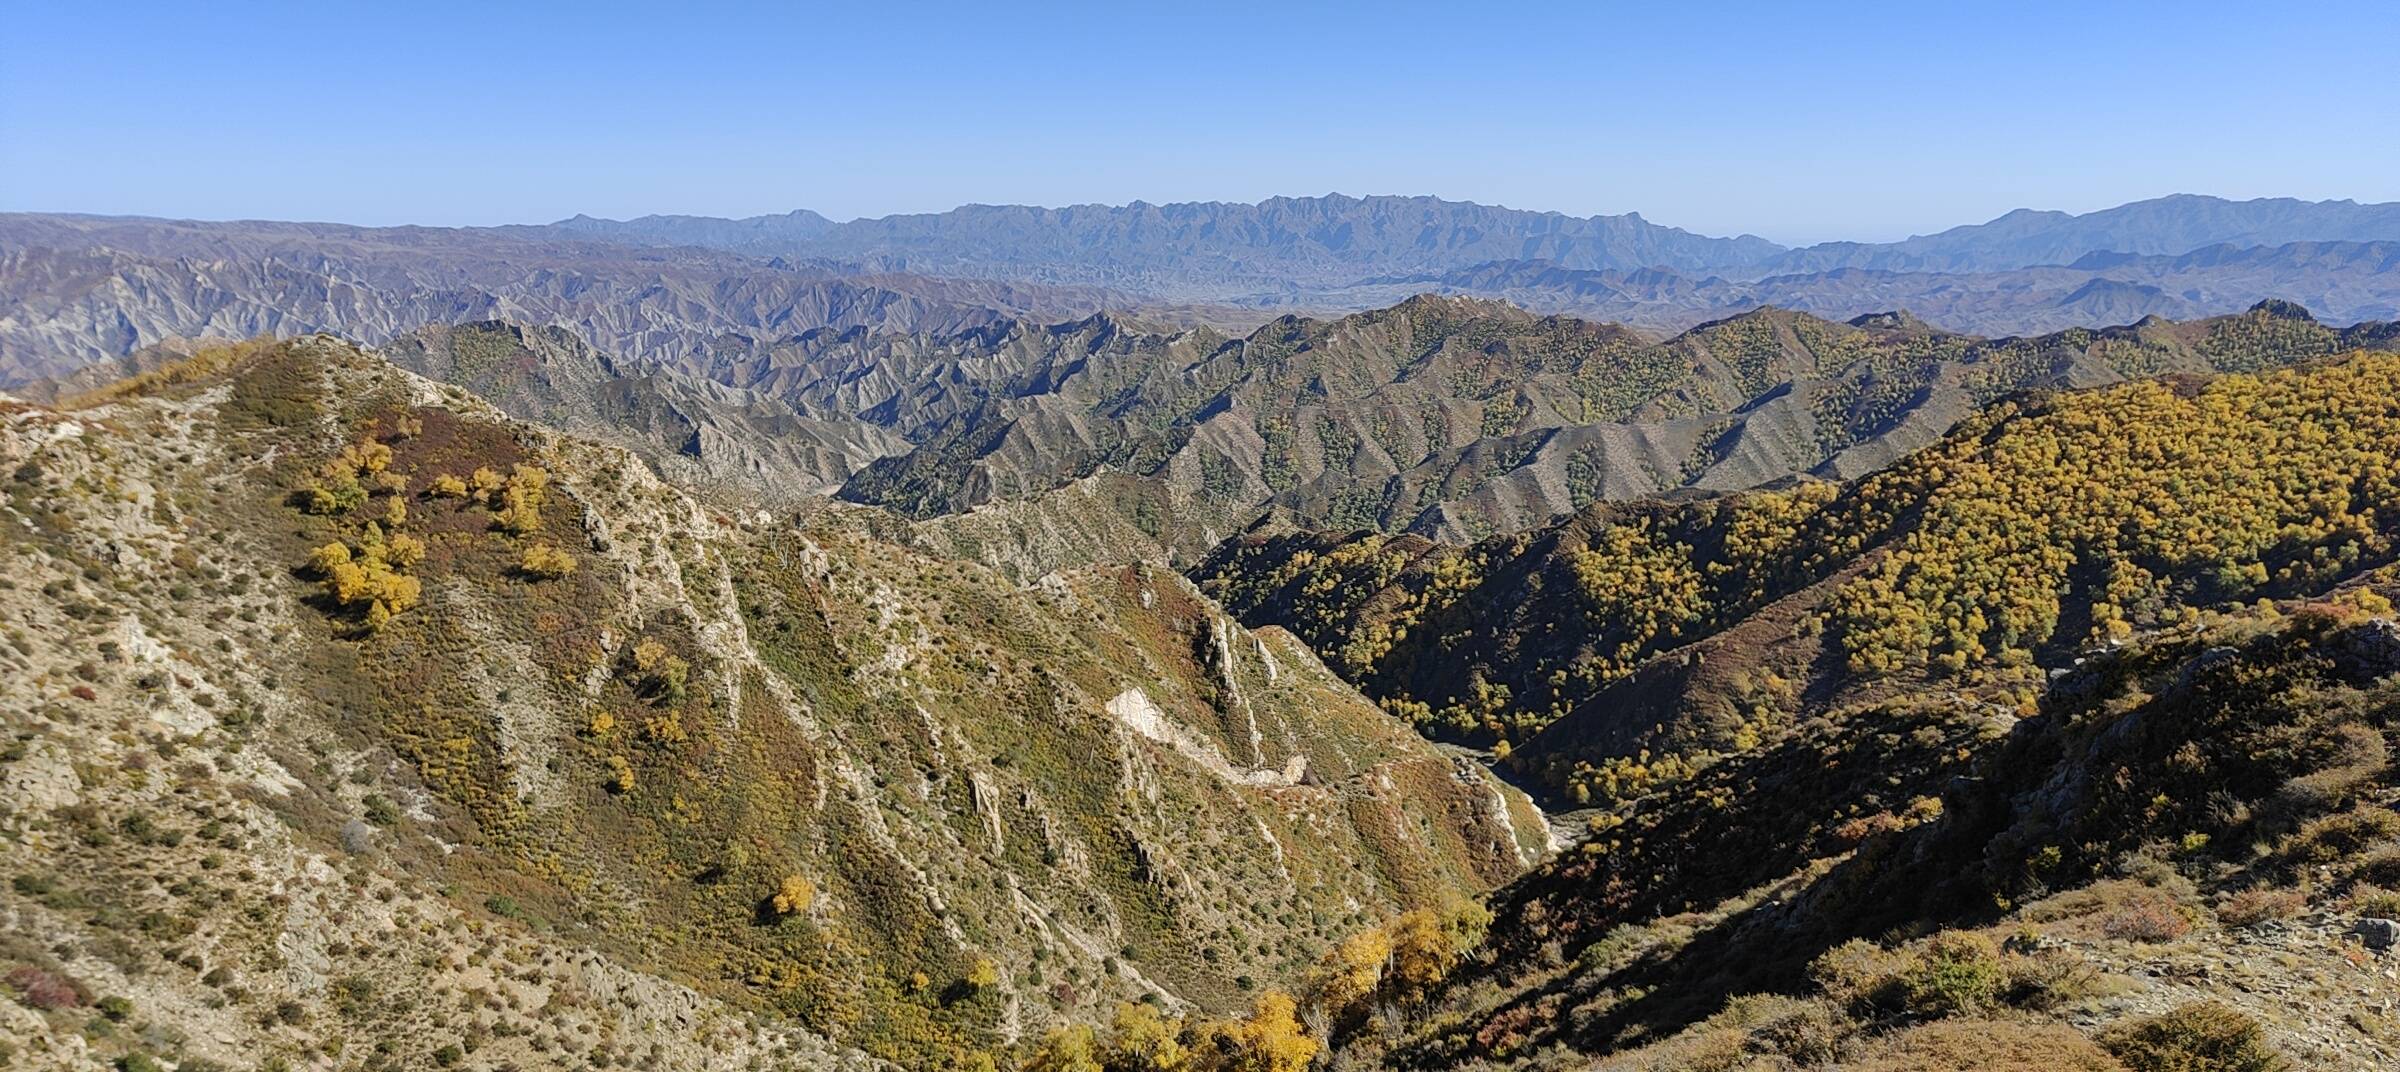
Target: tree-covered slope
{"x":2044,"y":526}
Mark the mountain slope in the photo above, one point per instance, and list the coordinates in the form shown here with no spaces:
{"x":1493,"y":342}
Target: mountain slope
{"x":697,"y":433}
{"x":2063,"y":743}
{"x":2065,"y":740}
{"x":2169,"y":864}
{"x":1447,"y":417}
{"x":2041,"y":526}
{"x":447,"y":734}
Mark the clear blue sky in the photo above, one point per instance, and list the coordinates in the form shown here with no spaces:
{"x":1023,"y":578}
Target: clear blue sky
{"x":1793,"y":121}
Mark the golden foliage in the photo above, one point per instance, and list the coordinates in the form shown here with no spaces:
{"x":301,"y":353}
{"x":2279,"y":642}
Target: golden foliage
{"x":1146,"y":1040}
{"x":1401,"y":960}
{"x":2155,"y":498}
{"x":544,"y":562}
{"x":1272,"y":1039}
{"x":517,"y":502}
{"x":794,"y":894}
{"x":1073,"y":1048}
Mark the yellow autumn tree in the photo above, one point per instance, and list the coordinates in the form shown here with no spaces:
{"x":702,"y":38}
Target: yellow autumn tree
{"x":1350,"y":973}
{"x":983,"y":974}
{"x":1068,"y":1049}
{"x":1422,"y":953}
{"x":794,"y":894}
{"x":486,"y":484}
{"x":1272,"y":1039}
{"x":1142,"y":1039}
{"x":544,"y":562}
{"x":520,"y":500}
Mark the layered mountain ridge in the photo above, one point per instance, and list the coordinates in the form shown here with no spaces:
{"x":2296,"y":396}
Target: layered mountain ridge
{"x":1454,"y":418}
{"x":77,"y":289}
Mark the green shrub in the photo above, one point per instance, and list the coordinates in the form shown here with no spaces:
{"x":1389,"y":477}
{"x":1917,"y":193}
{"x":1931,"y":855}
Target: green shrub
{"x":1858,"y":974}
{"x":2200,"y":1037}
{"x":2375,"y":901}
{"x":1958,"y":972}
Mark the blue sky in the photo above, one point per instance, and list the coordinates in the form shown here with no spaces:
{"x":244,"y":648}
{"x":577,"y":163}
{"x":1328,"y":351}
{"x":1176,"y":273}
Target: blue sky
{"x":1798,"y":122}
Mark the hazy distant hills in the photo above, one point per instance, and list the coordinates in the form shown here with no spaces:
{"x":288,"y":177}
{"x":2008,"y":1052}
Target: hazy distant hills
{"x":2344,"y":282}
{"x":749,"y":233}
{"x":1203,"y":250}
{"x":78,"y":289}
{"x":2164,"y":225}
{"x":1340,"y":240}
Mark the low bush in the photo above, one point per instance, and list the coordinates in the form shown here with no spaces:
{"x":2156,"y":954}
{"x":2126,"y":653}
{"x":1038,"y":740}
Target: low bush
{"x":45,"y":990}
{"x":1958,"y":972}
{"x":2254,"y":906}
{"x":2200,"y":1037}
{"x":1988,"y":1046}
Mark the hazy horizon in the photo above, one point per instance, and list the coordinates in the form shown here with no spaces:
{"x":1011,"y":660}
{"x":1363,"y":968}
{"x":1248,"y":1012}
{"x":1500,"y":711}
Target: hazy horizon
{"x":1121,"y":204}
{"x":1788,"y":124}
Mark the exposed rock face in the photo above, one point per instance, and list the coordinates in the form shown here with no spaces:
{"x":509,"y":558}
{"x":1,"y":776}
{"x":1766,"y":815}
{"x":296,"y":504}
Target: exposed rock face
{"x":696,"y":432}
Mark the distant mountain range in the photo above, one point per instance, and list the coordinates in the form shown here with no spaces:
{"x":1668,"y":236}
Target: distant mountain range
{"x":1187,"y":250}
{"x":2345,"y":282}
{"x":1201,"y":250}
{"x":2164,"y":225}
{"x":79,"y":289}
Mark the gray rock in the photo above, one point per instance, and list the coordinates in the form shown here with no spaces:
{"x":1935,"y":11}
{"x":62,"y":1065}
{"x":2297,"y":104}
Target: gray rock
{"x":2377,"y":933}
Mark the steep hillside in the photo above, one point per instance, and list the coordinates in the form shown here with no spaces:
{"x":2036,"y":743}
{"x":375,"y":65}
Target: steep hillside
{"x":697,"y":433}
{"x":2065,"y":741}
{"x":2041,"y":527}
{"x":344,"y":716}
{"x":2182,"y":858}
{"x":1452,"y":418}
